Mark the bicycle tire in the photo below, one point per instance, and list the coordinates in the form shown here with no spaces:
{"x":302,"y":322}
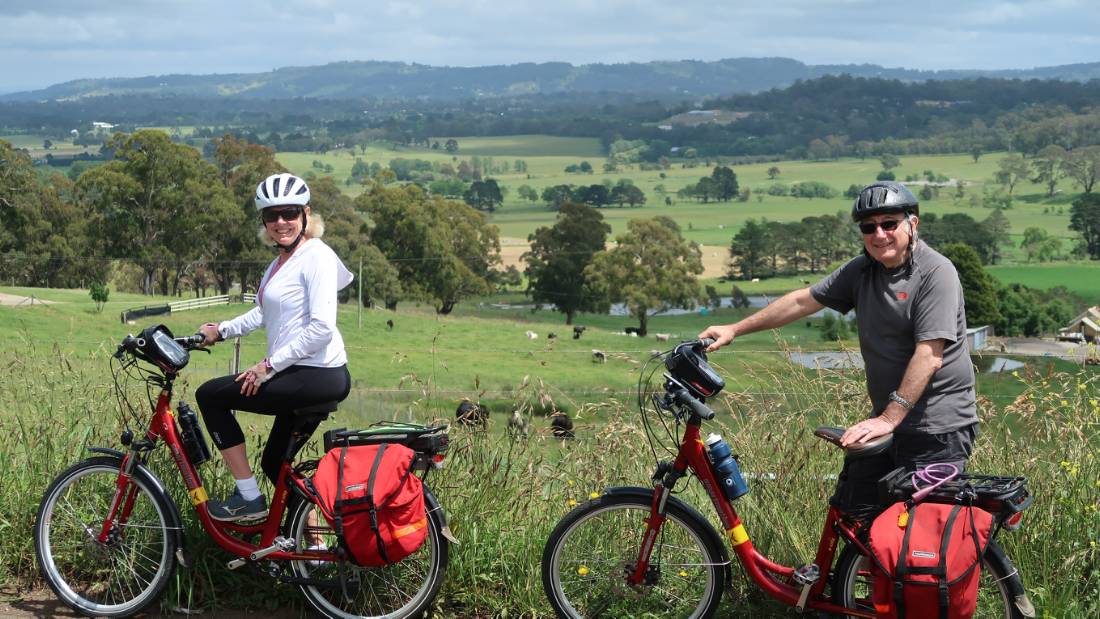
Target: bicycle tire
{"x":381,"y":592}
{"x":607,"y":533}
{"x":1000,"y":589}
{"x":116,"y":579}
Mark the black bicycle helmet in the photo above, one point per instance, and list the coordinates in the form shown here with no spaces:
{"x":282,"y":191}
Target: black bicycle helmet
{"x":884,"y":197}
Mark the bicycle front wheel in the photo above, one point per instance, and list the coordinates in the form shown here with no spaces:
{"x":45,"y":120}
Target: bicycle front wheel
{"x":596,"y":546}
{"x":1000,"y":590}
{"x":404,"y":589}
{"x":116,"y":578}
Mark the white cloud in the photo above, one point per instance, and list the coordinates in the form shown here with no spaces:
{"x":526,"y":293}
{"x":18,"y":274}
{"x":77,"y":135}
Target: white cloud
{"x":48,"y":41}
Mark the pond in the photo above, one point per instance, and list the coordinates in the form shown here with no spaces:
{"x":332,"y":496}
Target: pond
{"x":619,"y":309}
{"x":854,"y":361}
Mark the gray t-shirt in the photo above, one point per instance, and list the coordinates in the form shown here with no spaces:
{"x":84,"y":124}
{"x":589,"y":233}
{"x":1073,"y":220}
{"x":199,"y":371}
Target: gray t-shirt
{"x":895,"y":309}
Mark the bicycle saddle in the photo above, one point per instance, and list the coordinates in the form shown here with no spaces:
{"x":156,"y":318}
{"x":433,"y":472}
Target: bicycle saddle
{"x":869,"y":448}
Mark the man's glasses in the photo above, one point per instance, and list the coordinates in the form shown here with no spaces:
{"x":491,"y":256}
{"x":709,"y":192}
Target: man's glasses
{"x":290,"y":213}
{"x":887,"y":225}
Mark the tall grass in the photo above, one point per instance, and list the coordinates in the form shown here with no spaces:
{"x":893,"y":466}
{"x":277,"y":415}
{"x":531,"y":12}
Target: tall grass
{"x":503,"y":497}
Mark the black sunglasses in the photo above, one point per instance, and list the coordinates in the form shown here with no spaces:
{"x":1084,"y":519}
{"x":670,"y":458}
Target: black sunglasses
{"x":272,"y":215}
{"x":888,"y":225}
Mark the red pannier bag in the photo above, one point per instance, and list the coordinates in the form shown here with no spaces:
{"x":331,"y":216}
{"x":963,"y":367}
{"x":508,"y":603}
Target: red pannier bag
{"x":927,"y":560}
{"x":373,"y":501}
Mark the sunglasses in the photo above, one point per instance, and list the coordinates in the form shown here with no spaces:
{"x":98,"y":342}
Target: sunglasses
{"x":888,"y":225}
{"x":272,"y":215}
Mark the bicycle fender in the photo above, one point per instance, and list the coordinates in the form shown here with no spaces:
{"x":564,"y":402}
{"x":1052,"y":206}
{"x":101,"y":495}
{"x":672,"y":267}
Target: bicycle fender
{"x":175,"y":520}
{"x":700,"y":521}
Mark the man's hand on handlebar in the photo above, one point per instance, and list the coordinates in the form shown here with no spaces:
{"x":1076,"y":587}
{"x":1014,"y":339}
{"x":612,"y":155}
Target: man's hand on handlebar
{"x":721,"y":334}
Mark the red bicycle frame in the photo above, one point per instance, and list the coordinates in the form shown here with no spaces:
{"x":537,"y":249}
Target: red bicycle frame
{"x":773,"y":578}
{"x":162,"y":426}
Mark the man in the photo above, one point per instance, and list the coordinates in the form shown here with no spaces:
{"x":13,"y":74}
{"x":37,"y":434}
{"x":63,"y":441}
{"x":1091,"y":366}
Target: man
{"x":912,"y":332}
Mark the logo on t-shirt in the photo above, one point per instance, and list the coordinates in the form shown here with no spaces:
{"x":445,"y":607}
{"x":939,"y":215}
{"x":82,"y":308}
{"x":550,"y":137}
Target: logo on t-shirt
{"x":903,"y":296}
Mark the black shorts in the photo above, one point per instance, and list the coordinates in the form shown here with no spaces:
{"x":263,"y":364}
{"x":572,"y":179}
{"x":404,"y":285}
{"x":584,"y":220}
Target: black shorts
{"x":294,"y":387}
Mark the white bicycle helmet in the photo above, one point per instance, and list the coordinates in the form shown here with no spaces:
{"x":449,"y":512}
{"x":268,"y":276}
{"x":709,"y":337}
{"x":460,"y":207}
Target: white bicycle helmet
{"x":280,"y":190}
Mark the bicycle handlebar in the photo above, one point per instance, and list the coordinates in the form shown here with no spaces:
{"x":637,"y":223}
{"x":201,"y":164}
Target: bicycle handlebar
{"x":684,"y":397}
{"x":191,"y":342}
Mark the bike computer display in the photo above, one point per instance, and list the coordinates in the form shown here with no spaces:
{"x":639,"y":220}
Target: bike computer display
{"x":688,"y":364}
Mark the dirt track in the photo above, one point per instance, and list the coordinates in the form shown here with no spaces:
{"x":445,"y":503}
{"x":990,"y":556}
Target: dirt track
{"x":14,"y":299}
{"x":714,"y":256}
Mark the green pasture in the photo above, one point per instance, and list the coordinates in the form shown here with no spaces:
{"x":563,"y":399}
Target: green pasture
{"x":1082,"y":278}
{"x":503,"y":497}
{"x":712,"y":224}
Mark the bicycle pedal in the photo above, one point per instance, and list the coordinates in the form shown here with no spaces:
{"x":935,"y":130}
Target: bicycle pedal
{"x":806,"y":574}
{"x":279,"y":544}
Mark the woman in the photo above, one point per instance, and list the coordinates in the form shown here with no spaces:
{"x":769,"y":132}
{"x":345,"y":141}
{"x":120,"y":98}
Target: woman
{"x":305,"y":364}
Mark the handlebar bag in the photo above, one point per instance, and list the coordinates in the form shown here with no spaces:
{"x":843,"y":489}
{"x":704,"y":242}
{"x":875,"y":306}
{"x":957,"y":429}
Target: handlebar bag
{"x":373,"y":502}
{"x":927,"y":560}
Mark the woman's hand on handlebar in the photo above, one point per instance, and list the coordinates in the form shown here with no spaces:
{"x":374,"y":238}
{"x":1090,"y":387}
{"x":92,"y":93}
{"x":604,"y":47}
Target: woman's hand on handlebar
{"x":721,"y":334}
{"x":210,"y":332}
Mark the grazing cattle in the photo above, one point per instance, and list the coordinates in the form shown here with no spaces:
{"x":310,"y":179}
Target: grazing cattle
{"x":631,"y":330}
{"x":517,"y":425}
{"x":598,"y":356}
{"x":561,"y":425}
{"x":389,"y":325}
{"x":551,"y":335}
{"x":577,"y":331}
{"x":472,"y":414}
{"x":661,"y":337}
{"x":531,"y":335}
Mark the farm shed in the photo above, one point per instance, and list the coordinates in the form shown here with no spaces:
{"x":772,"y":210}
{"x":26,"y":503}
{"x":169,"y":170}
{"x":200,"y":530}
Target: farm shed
{"x":978,"y":337}
{"x":1087,"y":324}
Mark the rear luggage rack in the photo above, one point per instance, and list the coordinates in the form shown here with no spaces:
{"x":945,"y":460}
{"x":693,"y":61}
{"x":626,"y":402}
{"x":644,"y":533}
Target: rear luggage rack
{"x":1002,"y":496}
{"x":421,"y":439}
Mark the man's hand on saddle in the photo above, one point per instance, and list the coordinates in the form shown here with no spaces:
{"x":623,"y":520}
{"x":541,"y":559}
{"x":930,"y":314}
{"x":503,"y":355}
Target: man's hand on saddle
{"x":867,"y":430}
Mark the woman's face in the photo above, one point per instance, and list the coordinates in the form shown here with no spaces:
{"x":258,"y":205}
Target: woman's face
{"x":284,"y":223}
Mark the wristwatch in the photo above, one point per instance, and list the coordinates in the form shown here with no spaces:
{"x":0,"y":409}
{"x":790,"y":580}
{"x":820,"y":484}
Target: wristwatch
{"x":906,"y":404}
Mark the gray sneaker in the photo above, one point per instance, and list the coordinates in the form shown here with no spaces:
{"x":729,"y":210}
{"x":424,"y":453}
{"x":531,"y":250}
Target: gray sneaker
{"x":236,"y":508}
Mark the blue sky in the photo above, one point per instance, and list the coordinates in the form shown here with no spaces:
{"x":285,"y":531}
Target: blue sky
{"x":51,"y":41}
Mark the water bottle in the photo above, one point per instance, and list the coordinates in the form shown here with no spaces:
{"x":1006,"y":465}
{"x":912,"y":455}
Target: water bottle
{"x":194,"y":443}
{"x":725,"y":468}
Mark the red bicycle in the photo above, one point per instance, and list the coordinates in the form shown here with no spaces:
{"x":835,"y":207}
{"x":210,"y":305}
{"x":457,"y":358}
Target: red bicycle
{"x":642,"y":552}
{"x":108,"y":536}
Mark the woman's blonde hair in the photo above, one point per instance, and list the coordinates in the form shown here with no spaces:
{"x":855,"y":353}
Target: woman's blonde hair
{"x":315,"y":229}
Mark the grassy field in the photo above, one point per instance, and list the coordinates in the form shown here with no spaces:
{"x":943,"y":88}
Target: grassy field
{"x":711,"y":224}
{"x":502,"y":498}
{"x":1080,"y":278}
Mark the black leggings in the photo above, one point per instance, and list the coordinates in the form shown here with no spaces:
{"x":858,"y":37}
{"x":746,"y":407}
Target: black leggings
{"x":294,"y":387}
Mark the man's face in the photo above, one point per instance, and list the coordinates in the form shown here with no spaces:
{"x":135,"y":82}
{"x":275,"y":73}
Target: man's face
{"x":890,"y":247}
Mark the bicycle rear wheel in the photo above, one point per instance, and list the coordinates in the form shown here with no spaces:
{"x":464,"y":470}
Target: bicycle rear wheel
{"x":595,"y":547}
{"x":404,"y":589}
{"x":114,"y":579}
{"x":1000,"y":589}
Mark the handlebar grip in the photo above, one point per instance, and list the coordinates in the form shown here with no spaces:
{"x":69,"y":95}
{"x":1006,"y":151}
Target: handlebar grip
{"x":191,"y":340}
{"x":706,"y":342}
{"x":697,"y":407}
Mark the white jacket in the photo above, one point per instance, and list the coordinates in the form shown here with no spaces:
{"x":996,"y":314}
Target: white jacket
{"x":297,"y":306}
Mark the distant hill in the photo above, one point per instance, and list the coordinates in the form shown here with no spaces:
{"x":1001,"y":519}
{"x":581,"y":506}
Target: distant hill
{"x":398,"y":80}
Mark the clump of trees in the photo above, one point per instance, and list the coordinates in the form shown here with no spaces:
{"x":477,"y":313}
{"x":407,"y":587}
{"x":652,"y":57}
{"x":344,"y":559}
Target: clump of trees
{"x":720,"y":186}
{"x":763,"y":248}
